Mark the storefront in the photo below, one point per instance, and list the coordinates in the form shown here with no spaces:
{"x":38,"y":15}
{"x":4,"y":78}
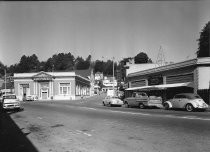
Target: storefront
{"x":188,"y":76}
{"x":51,"y":85}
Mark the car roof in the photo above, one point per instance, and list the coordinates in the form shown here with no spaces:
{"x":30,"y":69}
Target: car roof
{"x":8,"y":95}
{"x":186,"y":94}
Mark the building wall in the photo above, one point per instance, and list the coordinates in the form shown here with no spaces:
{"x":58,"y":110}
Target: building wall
{"x":180,"y":75}
{"x":204,"y":77}
{"x":56,"y":88}
{"x":51,"y":85}
{"x":17,"y":87}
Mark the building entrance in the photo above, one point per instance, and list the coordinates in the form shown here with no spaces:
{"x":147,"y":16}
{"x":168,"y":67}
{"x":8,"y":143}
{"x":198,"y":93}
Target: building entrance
{"x":44,"y":89}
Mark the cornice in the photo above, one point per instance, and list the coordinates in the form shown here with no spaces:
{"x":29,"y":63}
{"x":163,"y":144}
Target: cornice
{"x":165,"y":68}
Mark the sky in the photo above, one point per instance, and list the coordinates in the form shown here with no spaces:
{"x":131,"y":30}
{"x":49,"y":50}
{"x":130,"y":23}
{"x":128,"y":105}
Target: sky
{"x":103,"y":29}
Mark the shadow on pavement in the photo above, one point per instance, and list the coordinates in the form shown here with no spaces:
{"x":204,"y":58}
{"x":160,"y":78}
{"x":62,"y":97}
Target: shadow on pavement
{"x":12,"y":139}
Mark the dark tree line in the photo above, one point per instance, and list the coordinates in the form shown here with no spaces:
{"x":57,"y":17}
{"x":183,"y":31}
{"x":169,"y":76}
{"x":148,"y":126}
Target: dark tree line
{"x":67,"y":62}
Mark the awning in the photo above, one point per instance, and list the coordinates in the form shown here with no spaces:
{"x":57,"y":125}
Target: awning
{"x":141,"y":88}
{"x":163,"y":86}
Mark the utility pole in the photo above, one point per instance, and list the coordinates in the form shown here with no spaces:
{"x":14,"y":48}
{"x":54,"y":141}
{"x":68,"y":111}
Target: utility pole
{"x":113,"y":75}
{"x":5,"y":84}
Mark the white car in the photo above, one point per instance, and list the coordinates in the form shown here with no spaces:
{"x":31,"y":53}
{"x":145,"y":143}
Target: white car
{"x":10,"y":102}
{"x":187,"y":101}
{"x":29,"y":98}
{"x":112,"y":101}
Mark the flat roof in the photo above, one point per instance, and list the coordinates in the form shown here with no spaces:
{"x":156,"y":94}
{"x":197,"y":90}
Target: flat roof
{"x":196,"y":61}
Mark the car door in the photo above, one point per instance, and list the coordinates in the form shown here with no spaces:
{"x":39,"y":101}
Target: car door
{"x":133,"y":99}
{"x":105,"y":100}
{"x":175,"y":101}
{"x":182,"y":102}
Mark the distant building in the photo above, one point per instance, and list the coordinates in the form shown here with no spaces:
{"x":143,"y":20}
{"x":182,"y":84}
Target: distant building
{"x":109,"y":83}
{"x":99,"y":76}
{"x":51,"y":85}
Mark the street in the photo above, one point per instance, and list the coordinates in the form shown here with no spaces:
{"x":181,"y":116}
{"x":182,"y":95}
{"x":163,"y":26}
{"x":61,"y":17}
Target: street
{"x":87,"y":126}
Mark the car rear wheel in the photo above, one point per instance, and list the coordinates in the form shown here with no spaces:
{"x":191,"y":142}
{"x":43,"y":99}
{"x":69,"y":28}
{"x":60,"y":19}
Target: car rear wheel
{"x":166,"y":106}
{"x":126,"y":104}
{"x":189,"y":107}
{"x":141,"y":106}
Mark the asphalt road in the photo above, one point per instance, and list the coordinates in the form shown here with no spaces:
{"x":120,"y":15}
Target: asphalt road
{"x":87,"y":126}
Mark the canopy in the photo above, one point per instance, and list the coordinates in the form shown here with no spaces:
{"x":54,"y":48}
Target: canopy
{"x":163,"y":86}
{"x":141,"y":88}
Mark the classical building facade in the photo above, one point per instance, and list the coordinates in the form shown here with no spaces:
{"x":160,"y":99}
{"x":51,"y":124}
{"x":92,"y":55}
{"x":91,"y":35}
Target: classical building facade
{"x":51,"y":85}
{"x":187,"y":76}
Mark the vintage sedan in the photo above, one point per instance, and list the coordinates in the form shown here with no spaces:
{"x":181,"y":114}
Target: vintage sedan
{"x":187,"y":101}
{"x":10,"y":102}
{"x":29,"y":98}
{"x":112,"y":101}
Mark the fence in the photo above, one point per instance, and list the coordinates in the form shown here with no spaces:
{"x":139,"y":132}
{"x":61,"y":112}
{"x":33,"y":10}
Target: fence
{"x":205,"y":95}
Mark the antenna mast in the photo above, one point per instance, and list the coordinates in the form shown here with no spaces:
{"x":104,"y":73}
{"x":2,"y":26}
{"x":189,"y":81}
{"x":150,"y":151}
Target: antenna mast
{"x":160,"y":58}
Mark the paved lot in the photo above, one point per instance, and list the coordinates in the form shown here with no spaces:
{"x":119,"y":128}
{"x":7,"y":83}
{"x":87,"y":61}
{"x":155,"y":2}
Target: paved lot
{"x":87,"y":126}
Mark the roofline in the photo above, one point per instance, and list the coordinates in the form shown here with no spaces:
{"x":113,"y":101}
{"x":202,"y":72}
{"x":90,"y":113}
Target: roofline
{"x":196,"y":61}
{"x":48,"y":73}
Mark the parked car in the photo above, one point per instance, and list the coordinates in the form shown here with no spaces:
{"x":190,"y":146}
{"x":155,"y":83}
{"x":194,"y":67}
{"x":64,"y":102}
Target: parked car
{"x":142,"y":100}
{"x":29,"y":98}
{"x":112,"y":101}
{"x":10,"y":102}
{"x":187,"y":101}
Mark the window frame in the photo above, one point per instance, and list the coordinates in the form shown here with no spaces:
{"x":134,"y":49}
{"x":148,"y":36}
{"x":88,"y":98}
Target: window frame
{"x":61,"y":90}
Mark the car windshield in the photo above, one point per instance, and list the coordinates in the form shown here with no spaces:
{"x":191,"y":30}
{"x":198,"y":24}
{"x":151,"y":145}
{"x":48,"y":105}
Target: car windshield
{"x":10,"y":97}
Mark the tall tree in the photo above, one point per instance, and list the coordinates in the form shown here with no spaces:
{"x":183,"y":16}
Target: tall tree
{"x":142,"y":58}
{"x":2,"y":67}
{"x":99,"y":66}
{"x":203,"y":42}
{"x":62,"y":62}
{"x":80,"y":63}
{"x":23,"y":65}
{"x":33,"y":63}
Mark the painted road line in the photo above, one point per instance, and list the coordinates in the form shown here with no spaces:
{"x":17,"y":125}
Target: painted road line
{"x":147,"y":114}
{"x":82,"y":132}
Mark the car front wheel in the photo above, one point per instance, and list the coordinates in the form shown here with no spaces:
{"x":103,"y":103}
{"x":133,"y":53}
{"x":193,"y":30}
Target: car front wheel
{"x":189,"y":107}
{"x":166,"y":106}
{"x":141,"y":106}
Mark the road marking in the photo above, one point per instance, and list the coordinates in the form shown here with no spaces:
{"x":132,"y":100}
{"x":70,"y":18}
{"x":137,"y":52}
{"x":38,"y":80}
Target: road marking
{"x":146,"y":114}
{"x":88,"y":108}
{"x":82,"y":132}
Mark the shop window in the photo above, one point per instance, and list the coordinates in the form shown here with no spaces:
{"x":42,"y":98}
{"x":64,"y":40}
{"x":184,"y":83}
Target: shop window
{"x":65,"y":88}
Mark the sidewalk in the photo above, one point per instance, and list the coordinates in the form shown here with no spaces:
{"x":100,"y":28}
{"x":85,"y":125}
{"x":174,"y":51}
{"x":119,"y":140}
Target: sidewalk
{"x":12,"y":139}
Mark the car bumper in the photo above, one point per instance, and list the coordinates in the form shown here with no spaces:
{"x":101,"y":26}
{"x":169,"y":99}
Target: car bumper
{"x":8,"y":107}
{"x":117,"y":104}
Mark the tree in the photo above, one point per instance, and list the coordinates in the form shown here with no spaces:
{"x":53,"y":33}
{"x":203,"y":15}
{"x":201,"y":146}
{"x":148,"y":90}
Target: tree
{"x":80,"y":63}
{"x":61,"y":62}
{"x":142,"y":58}
{"x":23,"y":65}
{"x":99,"y":66}
{"x":203,"y":42}
{"x":28,"y":64}
{"x":33,"y":63}
{"x":2,"y":67}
